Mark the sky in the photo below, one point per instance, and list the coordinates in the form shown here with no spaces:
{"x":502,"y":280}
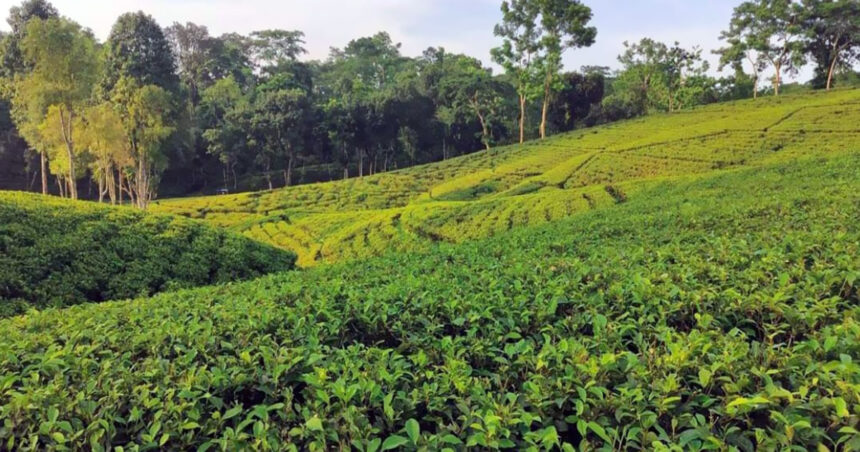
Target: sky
{"x":463,"y":26}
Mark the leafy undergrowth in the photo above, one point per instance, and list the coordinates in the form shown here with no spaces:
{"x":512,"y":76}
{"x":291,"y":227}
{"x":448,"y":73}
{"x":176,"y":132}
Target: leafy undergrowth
{"x":488,"y":193}
{"x":57,"y":252}
{"x":708,"y":312}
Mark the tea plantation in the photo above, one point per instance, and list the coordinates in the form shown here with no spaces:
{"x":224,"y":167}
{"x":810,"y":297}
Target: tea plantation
{"x":488,"y":193}
{"x":55,"y":252}
{"x":710,"y":312}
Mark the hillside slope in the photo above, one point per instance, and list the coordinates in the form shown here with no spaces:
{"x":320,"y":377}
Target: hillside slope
{"x":486,"y":193}
{"x":57,"y":252}
{"x":711,"y":311}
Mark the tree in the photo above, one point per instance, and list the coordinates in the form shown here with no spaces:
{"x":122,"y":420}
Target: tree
{"x":138,"y":49}
{"x":64,"y":70}
{"x":517,"y":54}
{"x":13,"y":65}
{"x":832,"y":36}
{"x":102,"y":134}
{"x":221,"y":110}
{"x":271,"y":48}
{"x":13,"y":57}
{"x":472,"y":90}
{"x":770,"y":27}
{"x":656,"y":76}
{"x":193,"y":47}
{"x":579,"y":93}
{"x":741,"y":49}
{"x":563,"y":26}
{"x":280,"y":123}
{"x":146,"y":112}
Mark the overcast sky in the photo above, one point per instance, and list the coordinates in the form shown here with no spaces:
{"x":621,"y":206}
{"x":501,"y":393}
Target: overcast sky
{"x":458,"y":25}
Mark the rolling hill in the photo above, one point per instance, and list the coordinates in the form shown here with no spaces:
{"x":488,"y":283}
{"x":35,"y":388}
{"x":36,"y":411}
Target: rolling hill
{"x":710,"y":311}
{"x":487,"y":193}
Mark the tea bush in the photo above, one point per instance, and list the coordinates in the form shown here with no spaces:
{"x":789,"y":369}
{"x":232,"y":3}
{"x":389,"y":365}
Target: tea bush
{"x":488,"y":193}
{"x":711,"y":312}
{"x":56,"y":253}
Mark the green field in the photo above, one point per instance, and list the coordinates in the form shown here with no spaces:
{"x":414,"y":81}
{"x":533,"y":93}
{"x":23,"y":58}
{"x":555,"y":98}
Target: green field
{"x":491,"y":192}
{"x":677,"y":282}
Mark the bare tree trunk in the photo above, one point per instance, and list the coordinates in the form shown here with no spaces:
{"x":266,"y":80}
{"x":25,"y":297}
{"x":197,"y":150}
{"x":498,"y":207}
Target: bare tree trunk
{"x":44,"y":173}
{"x":830,"y":73}
{"x":776,"y":79}
{"x":235,"y":179}
{"x":269,"y":174}
{"x":61,"y":184}
{"x":360,"y":164}
{"x":288,"y":173}
{"x":522,"y":118}
{"x":545,"y":108}
{"x":66,"y":130}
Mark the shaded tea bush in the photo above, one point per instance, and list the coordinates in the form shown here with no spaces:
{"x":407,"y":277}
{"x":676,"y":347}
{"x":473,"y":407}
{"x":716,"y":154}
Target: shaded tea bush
{"x":57,"y":252}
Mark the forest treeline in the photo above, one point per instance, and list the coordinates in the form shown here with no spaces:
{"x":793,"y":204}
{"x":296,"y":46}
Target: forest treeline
{"x":176,"y":110}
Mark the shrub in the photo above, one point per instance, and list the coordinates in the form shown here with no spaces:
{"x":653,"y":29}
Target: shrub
{"x":58,"y":253}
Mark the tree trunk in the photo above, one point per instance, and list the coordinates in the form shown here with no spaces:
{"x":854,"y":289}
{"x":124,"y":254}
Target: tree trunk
{"x":776,"y":79}
{"x":485,"y":132}
{"x":755,"y":87}
{"x":269,"y":174}
{"x":545,"y":108}
{"x":66,"y":130}
{"x":44,"y":173}
{"x":360,"y":164}
{"x":830,"y":72}
{"x":522,"y":118}
{"x":288,"y":173}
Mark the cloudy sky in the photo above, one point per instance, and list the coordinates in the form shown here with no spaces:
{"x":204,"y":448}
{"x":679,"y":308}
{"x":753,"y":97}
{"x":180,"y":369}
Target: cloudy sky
{"x":458,"y":25}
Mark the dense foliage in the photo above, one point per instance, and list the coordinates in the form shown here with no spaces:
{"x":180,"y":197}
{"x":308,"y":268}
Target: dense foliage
{"x":488,"y":193}
{"x":58,"y":253}
{"x":670,"y":320}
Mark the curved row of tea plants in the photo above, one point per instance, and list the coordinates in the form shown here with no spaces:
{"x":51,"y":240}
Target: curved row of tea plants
{"x":487,"y":193}
{"x":57,"y":252}
{"x":713,"y":312}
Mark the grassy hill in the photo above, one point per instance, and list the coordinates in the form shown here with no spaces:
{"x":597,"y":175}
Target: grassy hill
{"x":487,"y":193}
{"x":711,"y":311}
{"x":56,"y":252}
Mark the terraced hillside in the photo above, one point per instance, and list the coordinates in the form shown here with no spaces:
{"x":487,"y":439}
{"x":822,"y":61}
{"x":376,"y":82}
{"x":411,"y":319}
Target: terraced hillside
{"x":717,"y":311}
{"x":57,"y":252}
{"x":491,"y":192}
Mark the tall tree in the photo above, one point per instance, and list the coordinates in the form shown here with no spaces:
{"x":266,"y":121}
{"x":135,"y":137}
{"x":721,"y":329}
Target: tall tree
{"x":13,"y":57}
{"x":103,"y":136}
{"x":280,"y":121}
{"x":472,"y":90}
{"x":563,"y":26}
{"x":655,"y":75}
{"x":138,"y":49}
{"x":271,"y":48}
{"x":64,"y":70}
{"x":773,"y":29}
{"x":222,"y":107}
{"x":517,"y":54}
{"x":832,"y":36}
{"x":193,"y":47}
{"x":741,"y":49}
{"x":14,"y":64}
{"x":146,"y":115}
